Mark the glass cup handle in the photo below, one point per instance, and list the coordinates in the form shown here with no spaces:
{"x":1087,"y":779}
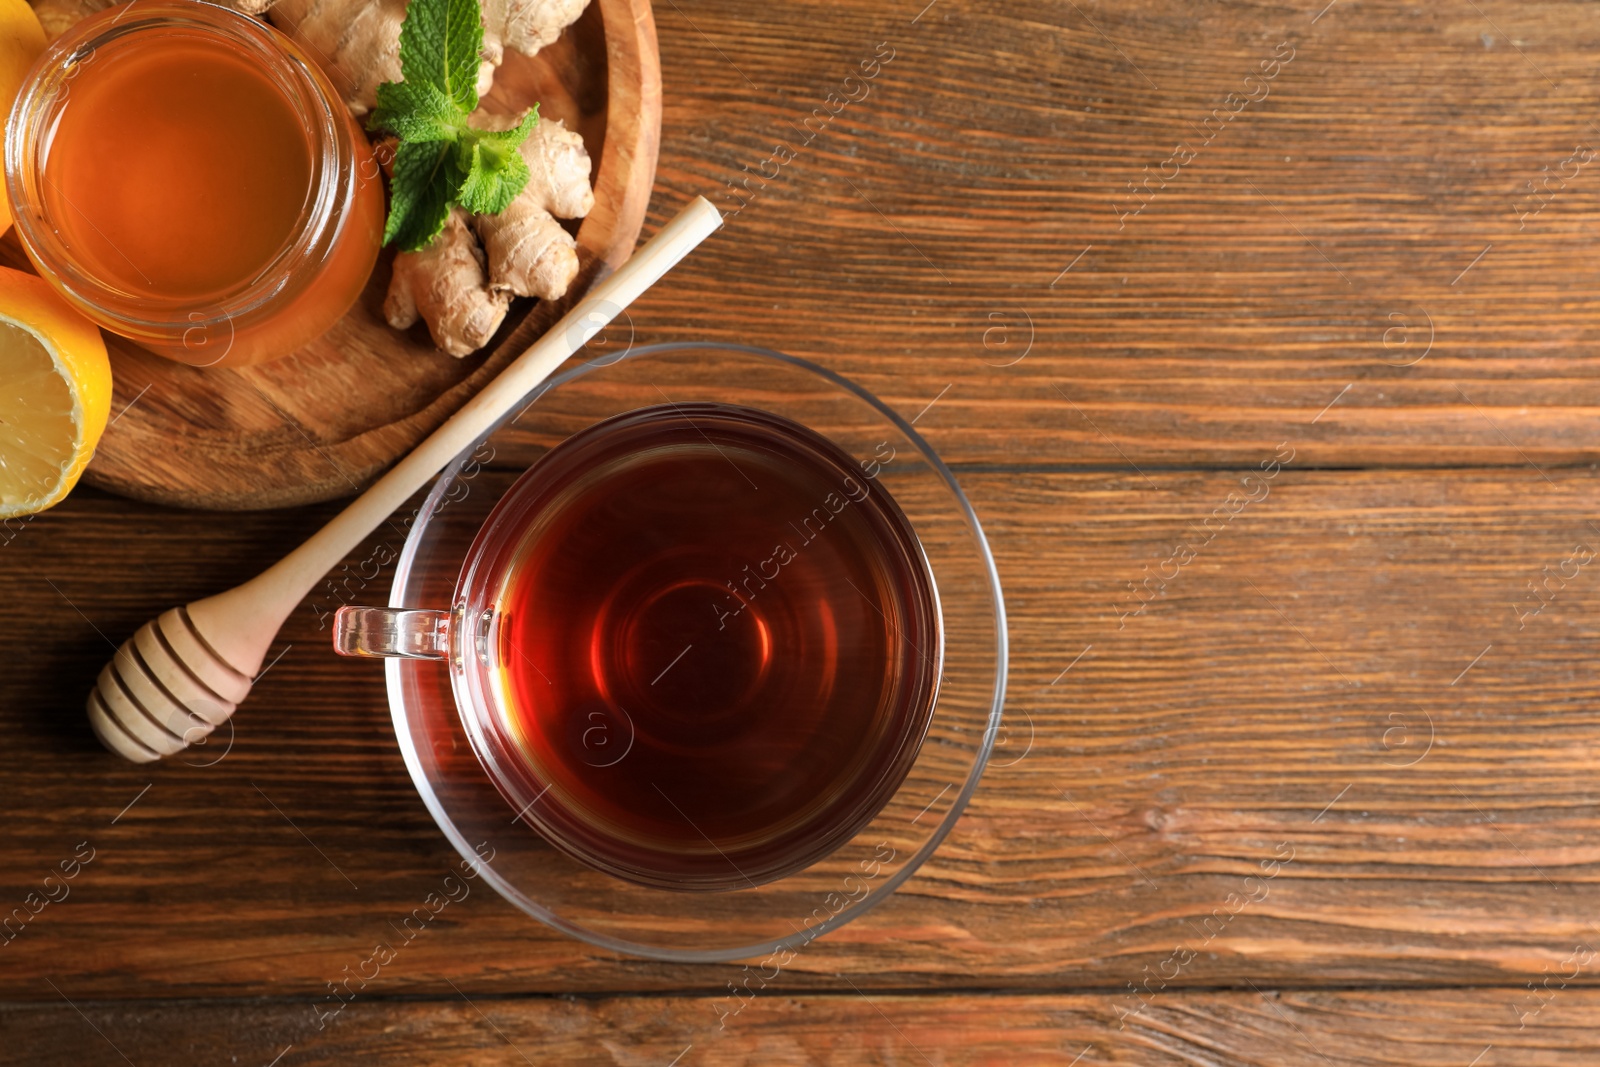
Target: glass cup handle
{"x":409,"y":633}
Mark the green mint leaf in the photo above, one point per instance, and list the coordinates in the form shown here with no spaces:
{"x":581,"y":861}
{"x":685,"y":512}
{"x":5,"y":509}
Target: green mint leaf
{"x":495,"y":169}
{"x":519,"y":133}
{"x":422,"y":190}
{"x":415,"y":111}
{"x":463,"y":52}
{"x":440,"y":44}
{"x":422,"y":42}
{"x":496,"y":175}
{"x":441,"y":161}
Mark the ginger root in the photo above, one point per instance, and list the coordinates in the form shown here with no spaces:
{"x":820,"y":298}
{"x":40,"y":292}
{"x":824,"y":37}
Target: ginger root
{"x":447,"y":286}
{"x":358,"y":41}
{"x":59,"y":16}
{"x":525,"y":26}
{"x":462,"y":298}
{"x":529,"y":252}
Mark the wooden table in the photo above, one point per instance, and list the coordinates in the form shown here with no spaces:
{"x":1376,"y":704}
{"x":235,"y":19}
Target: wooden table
{"x":1369,"y":673}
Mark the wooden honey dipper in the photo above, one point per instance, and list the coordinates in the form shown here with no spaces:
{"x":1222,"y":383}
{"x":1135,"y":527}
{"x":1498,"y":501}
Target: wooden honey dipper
{"x":183,"y":674}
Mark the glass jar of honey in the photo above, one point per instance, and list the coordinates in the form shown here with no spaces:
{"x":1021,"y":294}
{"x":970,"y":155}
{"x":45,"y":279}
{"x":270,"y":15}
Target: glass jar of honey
{"x":190,"y":179}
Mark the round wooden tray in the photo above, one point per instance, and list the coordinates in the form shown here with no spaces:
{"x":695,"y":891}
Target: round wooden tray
{"x":325,"y":421}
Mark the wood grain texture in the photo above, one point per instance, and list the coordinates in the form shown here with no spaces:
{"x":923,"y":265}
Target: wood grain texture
{"x":1250,"y":1028}
{"x":1266,"y":705}
{"x":1346,"y":667}
{"x":913,"y":241}
{"x":328,"y":419}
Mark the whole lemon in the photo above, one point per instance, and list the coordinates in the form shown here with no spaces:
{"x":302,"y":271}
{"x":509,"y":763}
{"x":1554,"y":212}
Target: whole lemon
{"x":21,"y":41}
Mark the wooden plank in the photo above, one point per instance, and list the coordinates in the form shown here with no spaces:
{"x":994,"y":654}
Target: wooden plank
{"x":1277,"y":699}
{"x":1249,"y":1028}
{"x":1345,"y":678}
{"x":1321,"y":239}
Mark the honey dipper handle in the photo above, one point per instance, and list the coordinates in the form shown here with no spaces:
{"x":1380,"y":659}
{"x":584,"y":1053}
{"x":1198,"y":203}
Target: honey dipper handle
{"x":241,"y":623}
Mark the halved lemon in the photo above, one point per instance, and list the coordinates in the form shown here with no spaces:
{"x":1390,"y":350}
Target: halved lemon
{"x":55,"y":394}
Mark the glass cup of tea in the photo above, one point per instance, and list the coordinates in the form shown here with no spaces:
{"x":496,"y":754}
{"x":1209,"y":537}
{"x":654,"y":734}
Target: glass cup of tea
{"x":697,"y":656}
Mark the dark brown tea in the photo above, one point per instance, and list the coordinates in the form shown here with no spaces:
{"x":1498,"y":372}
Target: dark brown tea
{"x":715,"y":645}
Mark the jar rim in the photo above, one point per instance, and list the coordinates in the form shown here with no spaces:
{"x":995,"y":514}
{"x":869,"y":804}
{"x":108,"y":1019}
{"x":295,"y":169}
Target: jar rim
{"x":307,"y":91}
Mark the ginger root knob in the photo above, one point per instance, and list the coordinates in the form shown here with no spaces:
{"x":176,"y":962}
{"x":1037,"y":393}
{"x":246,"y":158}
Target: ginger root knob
{"x":529,"y":252}
{"x":525,"y":25}
{"x":446,"y":285}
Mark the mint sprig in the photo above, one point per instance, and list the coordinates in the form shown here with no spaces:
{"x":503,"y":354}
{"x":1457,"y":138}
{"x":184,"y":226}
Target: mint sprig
{"x":442,"y":162}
